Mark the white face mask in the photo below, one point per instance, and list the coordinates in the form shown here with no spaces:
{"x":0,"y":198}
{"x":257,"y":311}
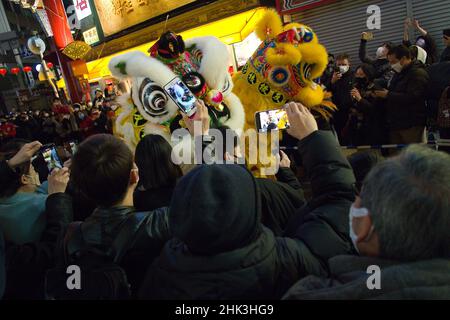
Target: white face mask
{"x":381,"y":52}
{"x":344,"y":69}
{"x":397,"y":67}
{"x":355,"y":213}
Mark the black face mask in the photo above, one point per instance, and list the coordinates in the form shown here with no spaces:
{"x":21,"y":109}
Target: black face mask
{"x":361,"y":82}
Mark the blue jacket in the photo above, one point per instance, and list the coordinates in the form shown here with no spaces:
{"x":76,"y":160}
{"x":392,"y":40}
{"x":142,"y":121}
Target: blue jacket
{"x":22,"y":216}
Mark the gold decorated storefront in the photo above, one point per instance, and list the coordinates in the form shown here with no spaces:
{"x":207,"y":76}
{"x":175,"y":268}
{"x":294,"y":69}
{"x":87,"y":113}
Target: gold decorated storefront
{"x":117,"y":15}
{"x":230,"y":20}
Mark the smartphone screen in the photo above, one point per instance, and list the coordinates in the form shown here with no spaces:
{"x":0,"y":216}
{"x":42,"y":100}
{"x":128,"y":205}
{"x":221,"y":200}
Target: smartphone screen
{"x":271,"y":120}
{"x":51,"y":157}
{"x":181,"y":95}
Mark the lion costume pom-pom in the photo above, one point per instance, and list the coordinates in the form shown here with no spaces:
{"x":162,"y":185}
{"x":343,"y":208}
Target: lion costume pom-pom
{"x":282,"y":69}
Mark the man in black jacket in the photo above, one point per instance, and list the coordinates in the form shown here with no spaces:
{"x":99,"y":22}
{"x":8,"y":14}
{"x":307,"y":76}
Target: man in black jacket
{"x":399,"y":225}
{"x":104,"y":171}
{"x":405,"y":98}
{"x":220,"y":249}
{"x":342,"y":83}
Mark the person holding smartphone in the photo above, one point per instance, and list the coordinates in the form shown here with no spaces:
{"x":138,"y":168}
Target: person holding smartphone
{"x":22,"y":198}
{"x":383,"y":70}
{"x":369,"y":110}
{"x":341,"y":85}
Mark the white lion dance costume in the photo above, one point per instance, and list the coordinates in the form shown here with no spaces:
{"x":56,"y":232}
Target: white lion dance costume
{"x":201,"y":63}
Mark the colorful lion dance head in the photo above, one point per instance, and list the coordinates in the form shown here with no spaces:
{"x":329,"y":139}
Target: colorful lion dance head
{"x":201,"y":63}
{"x":282,"y":69}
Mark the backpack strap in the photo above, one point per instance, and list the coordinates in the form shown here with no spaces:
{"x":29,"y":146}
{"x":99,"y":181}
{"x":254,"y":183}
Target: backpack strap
{"x":127,"y":236}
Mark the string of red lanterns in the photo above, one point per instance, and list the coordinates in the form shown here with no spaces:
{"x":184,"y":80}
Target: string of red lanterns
{"x":15,"y":70}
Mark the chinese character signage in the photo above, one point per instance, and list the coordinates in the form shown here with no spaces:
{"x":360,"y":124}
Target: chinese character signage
{"x":91,"y":36}
{"x":117,"y":15}
{"x":82,"y":9}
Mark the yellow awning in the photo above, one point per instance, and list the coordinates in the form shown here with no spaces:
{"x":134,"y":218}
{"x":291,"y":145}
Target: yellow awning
{"x":230,"y":30}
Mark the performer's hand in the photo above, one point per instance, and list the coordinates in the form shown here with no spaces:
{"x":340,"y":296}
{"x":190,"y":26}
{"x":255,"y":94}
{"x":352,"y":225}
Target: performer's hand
{"x":25,"y":154}
{"x":58,"y":180}
{"x":201,"y":115}
{"x":301,"y":120}
{"x":68,"y":163}
{"x":356,"y":94}
{"x":365,"y":36}
{"x":381,"y":93}
{"x":285,"y":162}
{"x":407,"y":23}
{"x":336,"y":76}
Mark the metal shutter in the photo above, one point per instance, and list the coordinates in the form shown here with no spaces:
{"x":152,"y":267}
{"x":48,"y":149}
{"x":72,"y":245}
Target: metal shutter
{"x":339,"y":25}
{"x":433,"y":16}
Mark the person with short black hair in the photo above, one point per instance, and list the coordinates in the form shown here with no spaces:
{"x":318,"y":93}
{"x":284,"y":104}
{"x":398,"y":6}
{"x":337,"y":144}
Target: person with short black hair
{"x":103,"y":169}
{"x":22,"y":198}
{"x":25,"y":264}
{"x":158,"y":175}
{"x":405,"y":98}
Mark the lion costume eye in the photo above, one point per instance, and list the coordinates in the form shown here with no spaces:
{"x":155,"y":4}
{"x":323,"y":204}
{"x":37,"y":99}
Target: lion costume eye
{"x":306,"y":34}
{"x":307,"y":69}
{"x":153,"y":98}
{"x":194,"y":81}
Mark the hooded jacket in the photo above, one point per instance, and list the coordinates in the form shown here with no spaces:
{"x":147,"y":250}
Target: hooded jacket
{"x":427,"y":279}
{"x":220,"y":249}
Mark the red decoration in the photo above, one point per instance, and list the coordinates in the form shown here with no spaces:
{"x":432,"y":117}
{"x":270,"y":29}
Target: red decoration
{"x":26,"y":69}
{"x":50,"y":65}
{"x":15,"y":71}
{"x":3,"y":71}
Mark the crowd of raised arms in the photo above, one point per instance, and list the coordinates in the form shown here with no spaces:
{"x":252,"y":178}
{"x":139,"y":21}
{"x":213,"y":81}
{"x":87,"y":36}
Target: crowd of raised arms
{"x":140,"y":226}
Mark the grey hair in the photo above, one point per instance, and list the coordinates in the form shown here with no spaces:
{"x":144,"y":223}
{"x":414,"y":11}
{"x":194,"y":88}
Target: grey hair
{"x":408,"y":197}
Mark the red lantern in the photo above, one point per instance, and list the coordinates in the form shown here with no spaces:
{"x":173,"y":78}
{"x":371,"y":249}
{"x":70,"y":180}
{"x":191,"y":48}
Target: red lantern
{"x":15,"y":71}
{"x":3,"y":71}
{"x":50,"y":65}
{"x":26,"y":69}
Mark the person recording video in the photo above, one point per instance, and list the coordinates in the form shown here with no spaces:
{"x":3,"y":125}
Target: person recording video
{"x":366,"y":123}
